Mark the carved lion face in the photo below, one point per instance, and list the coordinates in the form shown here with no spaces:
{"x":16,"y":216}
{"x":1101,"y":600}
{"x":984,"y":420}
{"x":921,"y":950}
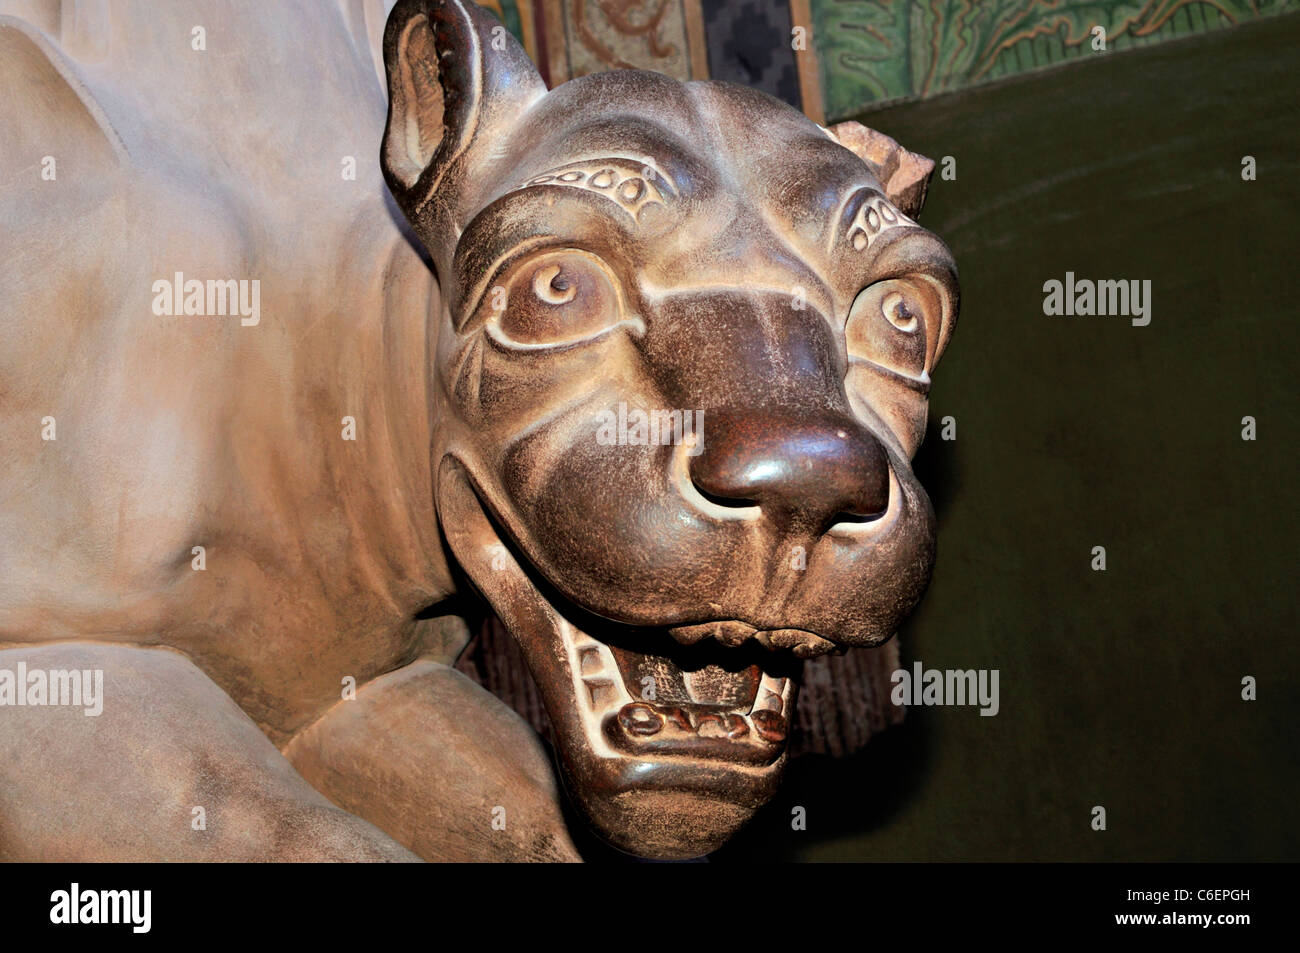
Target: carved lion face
{"x":683,"y":363}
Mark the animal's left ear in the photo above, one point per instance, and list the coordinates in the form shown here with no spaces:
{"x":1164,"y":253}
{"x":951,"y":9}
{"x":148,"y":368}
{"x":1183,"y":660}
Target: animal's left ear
{"x":905,"y":175}
{"x":457,"y":80}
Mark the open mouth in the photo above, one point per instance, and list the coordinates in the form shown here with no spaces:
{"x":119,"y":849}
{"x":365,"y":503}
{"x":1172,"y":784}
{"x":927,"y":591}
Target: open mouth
{"x":669,"y":737}
{"x":720,"y":690}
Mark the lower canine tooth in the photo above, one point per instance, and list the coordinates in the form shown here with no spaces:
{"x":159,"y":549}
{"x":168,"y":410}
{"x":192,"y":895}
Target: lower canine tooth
{"x":638,"y":718}
{"x":770,"y":702}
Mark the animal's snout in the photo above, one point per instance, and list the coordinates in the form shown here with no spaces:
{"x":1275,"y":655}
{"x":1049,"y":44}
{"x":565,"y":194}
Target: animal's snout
{"x":806,"y":473}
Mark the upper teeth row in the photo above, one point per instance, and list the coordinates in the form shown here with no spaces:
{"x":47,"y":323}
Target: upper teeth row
{"x":732,"y":633}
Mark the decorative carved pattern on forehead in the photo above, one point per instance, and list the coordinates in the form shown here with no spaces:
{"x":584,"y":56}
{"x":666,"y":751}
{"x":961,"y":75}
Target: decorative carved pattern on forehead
{"x":632,"y":185}
{"x":875,"y":215}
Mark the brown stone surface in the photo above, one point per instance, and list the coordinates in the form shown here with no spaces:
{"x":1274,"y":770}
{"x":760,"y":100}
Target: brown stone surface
{"x":369,"y":451}
{"x":428,"y":756}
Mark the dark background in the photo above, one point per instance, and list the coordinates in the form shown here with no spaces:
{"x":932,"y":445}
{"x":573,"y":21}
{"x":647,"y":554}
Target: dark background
{"x":1119,"y":688}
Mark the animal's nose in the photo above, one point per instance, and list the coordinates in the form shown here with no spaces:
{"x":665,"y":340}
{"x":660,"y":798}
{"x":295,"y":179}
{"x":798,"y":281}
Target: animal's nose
{"x":809,"y":472}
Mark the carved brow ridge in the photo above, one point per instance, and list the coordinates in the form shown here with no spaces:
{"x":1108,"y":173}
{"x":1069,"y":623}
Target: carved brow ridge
{"x":631,"y":183}
{"x":865,"y":213}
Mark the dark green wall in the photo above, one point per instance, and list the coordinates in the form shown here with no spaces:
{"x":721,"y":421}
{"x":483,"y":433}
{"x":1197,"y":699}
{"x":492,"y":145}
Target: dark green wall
{"x":875,"y":51}
{"x":1118,"y":688}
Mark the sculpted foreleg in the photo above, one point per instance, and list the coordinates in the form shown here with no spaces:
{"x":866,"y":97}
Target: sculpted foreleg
{"x":441,"y":764}
{"x":169,"y":769}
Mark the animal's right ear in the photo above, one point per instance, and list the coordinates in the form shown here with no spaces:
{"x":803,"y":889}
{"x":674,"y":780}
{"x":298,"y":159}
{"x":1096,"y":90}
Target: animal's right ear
{"x":905,"y":175}
{"x":456,"y":81}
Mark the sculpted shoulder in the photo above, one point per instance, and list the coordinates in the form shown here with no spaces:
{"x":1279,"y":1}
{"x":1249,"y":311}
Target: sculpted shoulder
{"x":176,"y":388}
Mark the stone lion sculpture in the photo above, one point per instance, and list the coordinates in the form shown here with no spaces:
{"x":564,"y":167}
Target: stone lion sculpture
{"x":651,"y":398}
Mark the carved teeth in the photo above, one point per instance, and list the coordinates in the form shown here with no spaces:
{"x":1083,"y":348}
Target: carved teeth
{"x":591,"y":662}
{"x":803,"y":644}
{"x":643,"y":719}
{"x":713,"y":725}
{"x":638,"y":718}
{"x":678,"y":718}
{"x":769,"y":702}
{"x":690,"y":634}
{"x":603,"y":692}
{"x":770,"y":725}
{"x":597,"y":674}
{"x":733,"y":634}
{"x":773,"y":693}
{"x":813,"y":649}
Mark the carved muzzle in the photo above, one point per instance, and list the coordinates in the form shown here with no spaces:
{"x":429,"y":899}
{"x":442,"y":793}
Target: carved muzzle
{"x":682,"y":369}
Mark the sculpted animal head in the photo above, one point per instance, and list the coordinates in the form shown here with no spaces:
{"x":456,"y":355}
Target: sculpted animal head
{"x":685,"y":347}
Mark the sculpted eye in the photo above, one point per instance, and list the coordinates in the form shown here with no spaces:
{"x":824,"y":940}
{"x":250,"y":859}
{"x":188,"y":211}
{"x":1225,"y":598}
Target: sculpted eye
{"x":895,"y":308}
{"x":890,"y":322}
{"x":557,"y":297}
